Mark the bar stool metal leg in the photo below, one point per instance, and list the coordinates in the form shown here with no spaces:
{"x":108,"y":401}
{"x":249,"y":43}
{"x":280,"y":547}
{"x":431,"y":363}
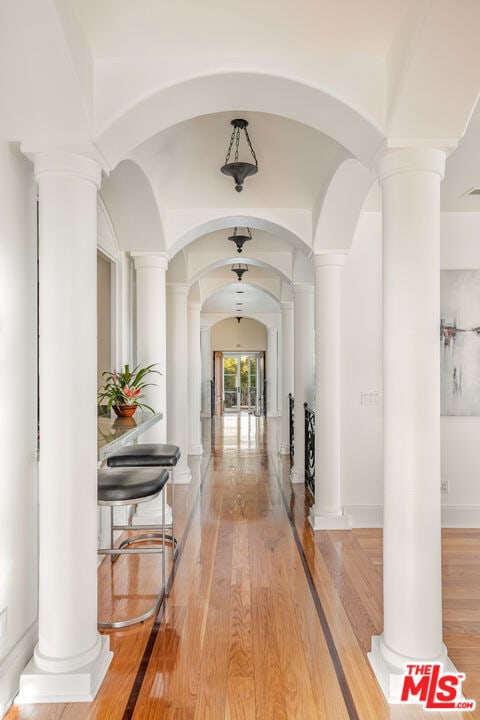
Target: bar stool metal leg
{"x":116,"y":488}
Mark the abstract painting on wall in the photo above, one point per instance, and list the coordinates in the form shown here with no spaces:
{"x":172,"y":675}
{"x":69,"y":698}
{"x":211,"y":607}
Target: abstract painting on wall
{"x":460,"y":342}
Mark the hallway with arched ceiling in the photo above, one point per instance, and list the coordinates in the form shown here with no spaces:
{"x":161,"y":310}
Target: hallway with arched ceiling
{"x":360,"y":211}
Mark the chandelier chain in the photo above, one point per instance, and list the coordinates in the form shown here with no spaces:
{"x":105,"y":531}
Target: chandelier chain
{"x":237,"y":142}
{"x":230,"y":147}
{"x":251,"y":147}
{"x":236,"y":136}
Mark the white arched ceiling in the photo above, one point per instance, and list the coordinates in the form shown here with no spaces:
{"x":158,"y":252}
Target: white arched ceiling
{"x":183,"y":163}
{"x":290,"y":225}
{"x":342,"y":204}
{"x":240,"y":298}
{"x":227,"y":92}
{"x":214,"y":250}
{"x":128,"y":195}
{"x":256,"y":267}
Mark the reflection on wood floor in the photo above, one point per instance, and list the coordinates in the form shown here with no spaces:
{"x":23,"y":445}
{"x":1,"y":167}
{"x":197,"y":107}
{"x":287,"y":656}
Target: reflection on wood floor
{"x":260,"y":625}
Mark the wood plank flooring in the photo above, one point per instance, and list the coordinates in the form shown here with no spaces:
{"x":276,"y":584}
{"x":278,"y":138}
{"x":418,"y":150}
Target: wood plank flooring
{"x":265,"y":619}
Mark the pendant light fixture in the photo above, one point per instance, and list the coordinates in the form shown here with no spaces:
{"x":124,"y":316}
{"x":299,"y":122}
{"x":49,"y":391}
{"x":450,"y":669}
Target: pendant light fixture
{"x":239,"y":269}
{"x":240,"y":240}
{"x":237,"y":169}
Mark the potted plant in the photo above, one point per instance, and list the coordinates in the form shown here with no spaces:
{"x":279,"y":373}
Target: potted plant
{"x":123,"y":390}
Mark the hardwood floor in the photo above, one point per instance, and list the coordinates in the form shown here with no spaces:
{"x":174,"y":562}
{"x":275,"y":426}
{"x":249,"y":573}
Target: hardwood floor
{"x":265,"y":620}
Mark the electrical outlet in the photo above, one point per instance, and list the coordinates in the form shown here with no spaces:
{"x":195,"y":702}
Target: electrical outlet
{"x":3,"y":622}
{"x":444,"y":487}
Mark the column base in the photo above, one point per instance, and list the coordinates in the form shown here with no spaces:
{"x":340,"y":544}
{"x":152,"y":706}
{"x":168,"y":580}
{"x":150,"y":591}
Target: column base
{"x":323,"y":521}
{"x":196,"y":449}
{"x":152,"y":518}
{"x":182,"y":475}
{"x":389,"y":667}
{"x":79,"y":685}
{"x":297,"y":475}
{"x":284,"y":449}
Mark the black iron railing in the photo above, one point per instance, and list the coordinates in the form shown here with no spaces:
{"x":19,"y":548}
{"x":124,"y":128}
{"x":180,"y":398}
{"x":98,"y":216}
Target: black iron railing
{"x":291,"y":405}
{"x":309,"y":448}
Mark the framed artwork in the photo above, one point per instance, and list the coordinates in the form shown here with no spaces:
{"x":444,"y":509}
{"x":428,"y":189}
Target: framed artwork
{"x":460,"y":342}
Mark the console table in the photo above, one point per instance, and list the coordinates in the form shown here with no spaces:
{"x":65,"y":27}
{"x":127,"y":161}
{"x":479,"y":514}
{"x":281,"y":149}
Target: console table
{"x":115,"y":432}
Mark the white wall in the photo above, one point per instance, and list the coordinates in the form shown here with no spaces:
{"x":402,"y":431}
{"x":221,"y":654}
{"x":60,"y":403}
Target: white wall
{"x":460,"y":250}
{"x":244,"y":336}
{"x":18,"y":420}
{"x":362,"y":424}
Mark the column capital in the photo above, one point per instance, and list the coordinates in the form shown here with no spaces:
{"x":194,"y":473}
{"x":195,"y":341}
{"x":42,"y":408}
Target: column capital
{"x":411,"y":159}
{"x":178,"y":288}
{"x":286,"y":305}
{"x":68,"y":164}
{"x":329,"y":259}
{"x":150,"y":260}
{"x":195,"y":305}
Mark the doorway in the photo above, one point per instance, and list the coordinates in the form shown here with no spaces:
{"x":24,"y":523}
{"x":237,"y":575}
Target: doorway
{"x":242,"y":382}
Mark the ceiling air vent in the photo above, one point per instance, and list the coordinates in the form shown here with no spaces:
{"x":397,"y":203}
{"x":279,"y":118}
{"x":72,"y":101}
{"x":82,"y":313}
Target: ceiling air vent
{"x":473,"y":191}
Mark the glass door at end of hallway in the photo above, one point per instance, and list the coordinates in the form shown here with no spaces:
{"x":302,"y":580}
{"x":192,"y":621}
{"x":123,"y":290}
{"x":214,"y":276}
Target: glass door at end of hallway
{"x":241,"y":381}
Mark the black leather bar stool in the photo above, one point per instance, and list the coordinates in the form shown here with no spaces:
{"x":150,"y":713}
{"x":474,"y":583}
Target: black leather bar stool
{"x":150,"y":455}
{"x":130,"y":486}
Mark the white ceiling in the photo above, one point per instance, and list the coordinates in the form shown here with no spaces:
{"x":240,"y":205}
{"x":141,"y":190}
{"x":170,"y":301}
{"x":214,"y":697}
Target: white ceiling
{"x":229,"y":297}
{"x":296,"y":162}
{"x":122,"y":28}
{"x":462,"y":171}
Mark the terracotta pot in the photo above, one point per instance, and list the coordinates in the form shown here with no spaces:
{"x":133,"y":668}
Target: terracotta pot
{"x":124,"y":410}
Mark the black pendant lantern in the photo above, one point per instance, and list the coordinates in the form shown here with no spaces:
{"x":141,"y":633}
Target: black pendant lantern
{"x":239,"y":170}
{"x":239,"y":269}
{"x":240,"y":240}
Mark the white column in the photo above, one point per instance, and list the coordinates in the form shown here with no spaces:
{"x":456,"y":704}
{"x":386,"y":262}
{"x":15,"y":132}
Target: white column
{"x":207,"y":374}
{"x":327,"y":512}
{"x":151,"y":322}
{"x":287,"y":372}
{"x":304,"y":372}
{"x":177,"y":406}
{"x":194,"y":379}
{"x":71,"y":657}
{"x":272,"y":371}
{"x":411,"y":320}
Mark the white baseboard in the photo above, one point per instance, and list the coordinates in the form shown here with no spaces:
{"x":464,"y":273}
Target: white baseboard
{"x":13,"y":665}
{"x":364,"y":516}
{"x":454,"y":516}
{"x":458,"y":516}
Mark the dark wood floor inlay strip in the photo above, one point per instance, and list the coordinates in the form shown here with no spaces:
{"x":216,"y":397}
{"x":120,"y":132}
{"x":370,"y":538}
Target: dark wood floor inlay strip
{"x":147,"y":654}
{"x":336,"y":662}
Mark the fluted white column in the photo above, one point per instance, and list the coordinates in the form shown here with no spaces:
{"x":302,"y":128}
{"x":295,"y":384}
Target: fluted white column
{"x":287,"y":372}
{"x":177,"y":368}
{"x":207,"y":374}
{"x":327,"y":511}
{"x":272,"y":371}
{"x":151,"y":322}
{"x":194,"y":379}
{"x":411,"y":318}
{"x":304,"y":372}
{"x":71,"y":657}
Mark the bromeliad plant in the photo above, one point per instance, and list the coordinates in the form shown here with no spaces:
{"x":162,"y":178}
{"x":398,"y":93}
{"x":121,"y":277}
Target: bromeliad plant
{"x":125,"y":388}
